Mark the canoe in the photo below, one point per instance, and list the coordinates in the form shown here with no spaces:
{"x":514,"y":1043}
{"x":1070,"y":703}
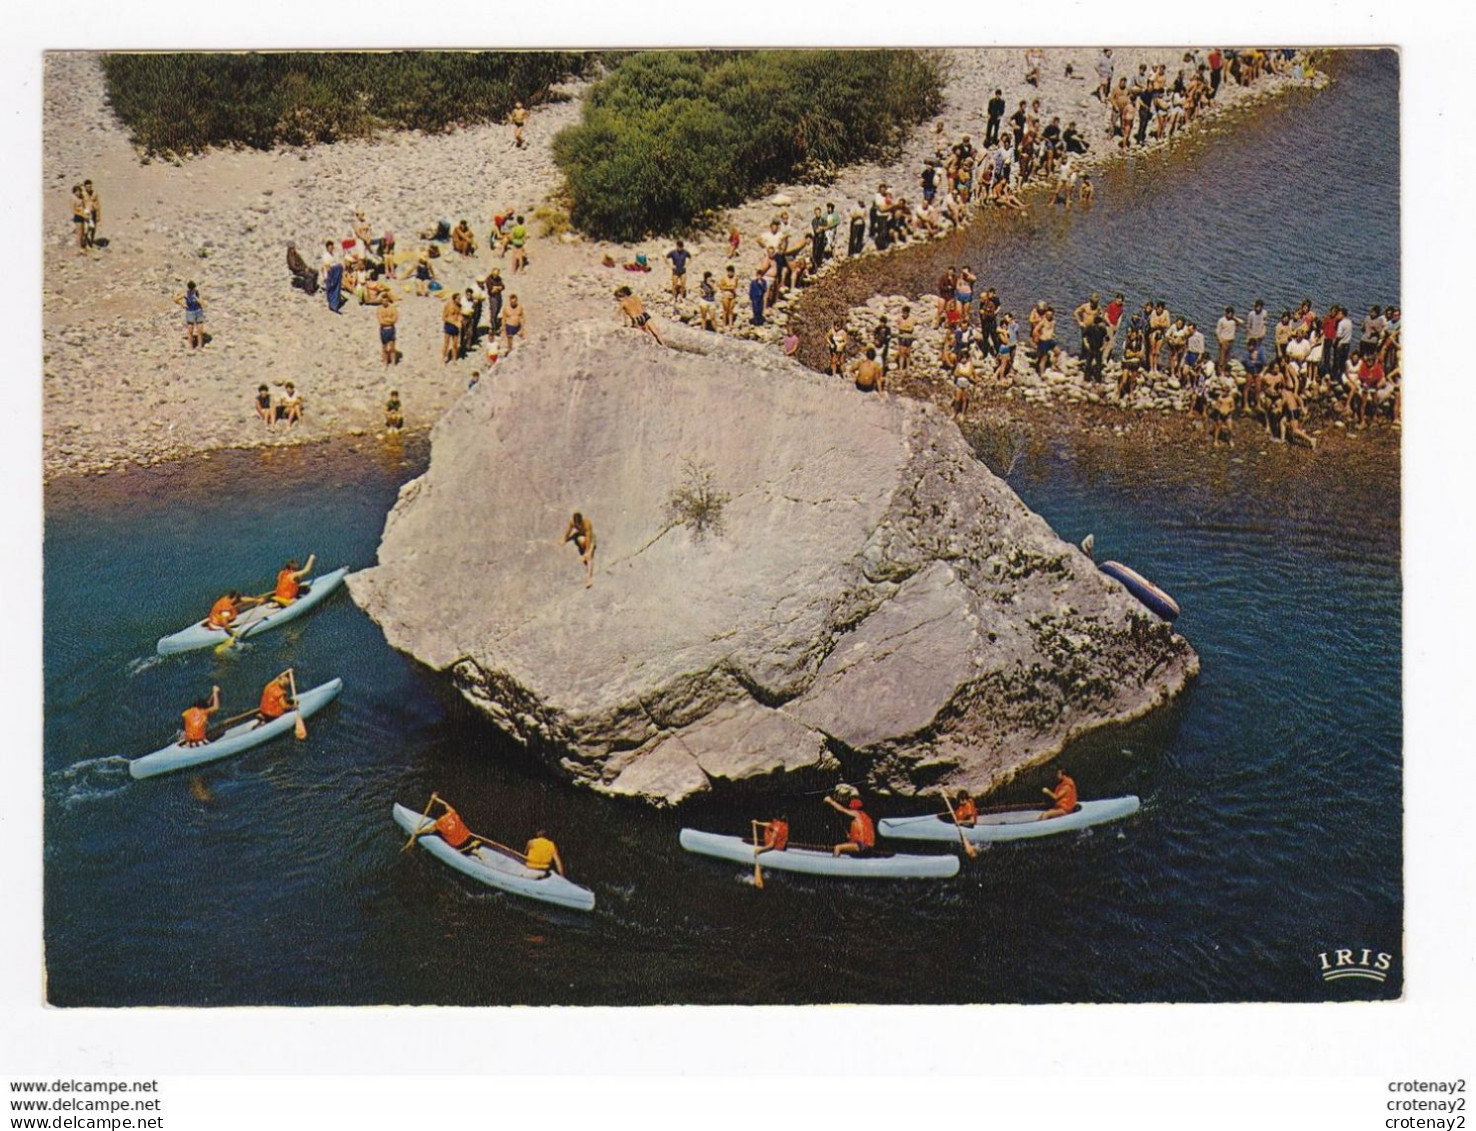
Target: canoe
{"x":820,"y":862}
{"x":1019,"y":824}
{"x":498,"y":869}
{"x":243,"y":736}
{"x":1152,"y":597}
{"x":255,"y":620}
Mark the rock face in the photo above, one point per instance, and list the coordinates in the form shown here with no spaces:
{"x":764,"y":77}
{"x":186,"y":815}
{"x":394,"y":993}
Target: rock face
{"x":874,"y":600}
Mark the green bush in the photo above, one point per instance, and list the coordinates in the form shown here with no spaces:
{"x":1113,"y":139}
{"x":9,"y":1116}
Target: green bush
{"x":671,"y":135}
{"x":187,"y":102}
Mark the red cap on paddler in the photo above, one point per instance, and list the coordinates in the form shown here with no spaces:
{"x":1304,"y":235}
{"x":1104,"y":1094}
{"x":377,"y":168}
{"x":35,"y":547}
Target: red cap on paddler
{"x":855,"y":803}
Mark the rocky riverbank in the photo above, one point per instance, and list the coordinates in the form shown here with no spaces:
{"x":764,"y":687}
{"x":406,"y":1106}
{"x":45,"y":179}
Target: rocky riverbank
{"x":121,"y":385}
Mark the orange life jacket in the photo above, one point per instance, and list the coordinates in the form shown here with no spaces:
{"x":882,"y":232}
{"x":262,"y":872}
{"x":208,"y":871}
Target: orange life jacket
{"x":863,"y":832}
{"x":223,"y":612}
{"x":286,"y":585}
{"x":274,"y":700}
{"x":966,"y":810}
{"x":776,"y":836}
{"x":194,"y":724}
{"x":1065,"y":795}
{"x":452,"y":829}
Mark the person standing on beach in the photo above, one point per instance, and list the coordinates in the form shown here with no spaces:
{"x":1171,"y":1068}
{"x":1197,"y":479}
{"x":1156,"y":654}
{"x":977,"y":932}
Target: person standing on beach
{"x":756,"y":289}
{"x":332,"y":278}
{"x":728,"y":295}
{"x":1104,"y":74}
{"x":94,"y":211}
{"x":679,"y":256}
{"x":494,"y":286}
{"x":518,"y":118}
{"x":995,"y":115}
{"x":519,"y":239}
{"x":1086,"y":314}
{"x":857,"y":241}
{"x":1225,"y":330}
{"x":450,"y":327}
{"x":1159,"y":322}
{"x":1255,"y":326}
{"x":513,"y":322}
{"x":906,"y":335}
{"x":1343,"y":339}
{"x":79,"y":216}
{"x":389,"y":314}
{"x":194,"y":308}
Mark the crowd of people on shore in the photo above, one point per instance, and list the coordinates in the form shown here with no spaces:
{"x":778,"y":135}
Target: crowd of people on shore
{"x":1270,"y":369}
{"x":1029,"y":147}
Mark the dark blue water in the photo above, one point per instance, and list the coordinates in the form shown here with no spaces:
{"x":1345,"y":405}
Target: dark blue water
{"x":1271,"y":826}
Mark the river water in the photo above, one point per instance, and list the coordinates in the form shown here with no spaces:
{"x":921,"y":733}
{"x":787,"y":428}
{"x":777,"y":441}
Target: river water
{"x":1271,"y":825}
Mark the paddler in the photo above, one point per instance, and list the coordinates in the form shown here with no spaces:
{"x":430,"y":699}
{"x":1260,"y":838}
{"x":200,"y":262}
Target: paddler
{"x":542,"y":854}
{"x":224,"y":612}
{"x":289,"y":581}
{"x":449,"y":827}
{"x":966,"y":810}
{"x":197,"y":717}
{"x":773,"y":835}
{"x":1063,"y":797}
{"x":861,"y":836}
{"x":276,"y":699}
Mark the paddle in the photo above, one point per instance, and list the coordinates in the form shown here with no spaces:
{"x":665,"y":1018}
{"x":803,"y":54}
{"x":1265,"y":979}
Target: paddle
{"x":300,"y":730}
{"x":968,"y":848}
{"x":225,"y":723}
{"x":434,"y":797}
{"x":758,"y":874}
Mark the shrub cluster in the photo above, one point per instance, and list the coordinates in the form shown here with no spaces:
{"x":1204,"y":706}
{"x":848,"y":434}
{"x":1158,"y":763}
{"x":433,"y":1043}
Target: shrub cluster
{"x":670,"y":135}
{"x":187,"y":102}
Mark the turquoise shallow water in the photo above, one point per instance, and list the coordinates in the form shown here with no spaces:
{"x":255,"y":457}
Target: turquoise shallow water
{"x":1270,"y":831}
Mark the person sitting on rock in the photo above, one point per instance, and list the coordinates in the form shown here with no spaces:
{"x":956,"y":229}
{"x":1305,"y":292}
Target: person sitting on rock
{"x":264,"y":408}
{"x":463,"y":240}
{"x":861,"y":836}
{"x":635,"y":311}
{"x":304,"y":278}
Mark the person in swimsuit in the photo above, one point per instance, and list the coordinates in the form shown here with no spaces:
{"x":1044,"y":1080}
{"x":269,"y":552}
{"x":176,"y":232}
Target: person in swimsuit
{"x":194,"y":308}
{"x":1045,"y":340}
{"x":264,"y":407}
{"x":1005,"y":346}
{"x":635,"y":311}
{"x":835,"y":342}
{"x":512,"y":322}
{"x":707,"y":302}
{"x":867,"y":373}
{"x":389,"y":314}
{"x":1132,"y":359}
{"x":424,"y":273}
{"x":79,"y":217}
{"x":518,"y":237}
{"x":394,"y":418}
{"x":728,"y":295}
{"x":963,"y":383}
{"x":519,"y":118}
{"x":581,"y":532}
{"x":450,"y":327}
{"x":94,"y":212}
{"x":906,"y":335}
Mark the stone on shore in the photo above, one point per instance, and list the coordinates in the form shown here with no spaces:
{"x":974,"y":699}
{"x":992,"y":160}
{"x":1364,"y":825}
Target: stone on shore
{"x":874,"y":600}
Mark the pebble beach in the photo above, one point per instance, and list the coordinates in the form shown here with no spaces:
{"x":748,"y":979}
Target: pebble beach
{"x":122,"y":386}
